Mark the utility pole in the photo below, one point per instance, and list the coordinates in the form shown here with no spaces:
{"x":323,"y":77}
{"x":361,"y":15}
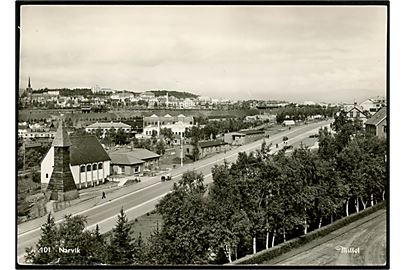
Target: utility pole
{"x":23,"y":145}
{"x":181,"y":151}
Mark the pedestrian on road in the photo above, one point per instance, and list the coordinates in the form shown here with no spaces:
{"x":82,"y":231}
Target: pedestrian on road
{"x":103,"y":195}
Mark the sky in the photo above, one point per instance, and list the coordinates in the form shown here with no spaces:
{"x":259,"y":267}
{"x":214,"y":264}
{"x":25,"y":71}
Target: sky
{"x":294,"y":53}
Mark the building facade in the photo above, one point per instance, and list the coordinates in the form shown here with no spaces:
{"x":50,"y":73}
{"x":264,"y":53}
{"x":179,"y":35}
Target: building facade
{"x":208,"y":147}
{"x":134,"y":161}
{"x":177,"y":124}
{"x":104,"y":127}
{"x":377,"y":124}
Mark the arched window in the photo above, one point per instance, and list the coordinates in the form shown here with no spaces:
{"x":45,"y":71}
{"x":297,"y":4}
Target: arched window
{"x":88,"y":168}
{"x":94,"y":167}
{"x":100,"y":166}
{"x":82,"y":168}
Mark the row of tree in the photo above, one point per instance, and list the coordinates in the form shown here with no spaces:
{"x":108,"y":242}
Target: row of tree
{"x":304,"y":112}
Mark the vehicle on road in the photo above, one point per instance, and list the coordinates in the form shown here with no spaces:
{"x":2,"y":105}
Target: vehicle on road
{"x":287,"y":147}
{"x":314,"y":136}
{"x":166,"y":177}
{"x":285,"y":138}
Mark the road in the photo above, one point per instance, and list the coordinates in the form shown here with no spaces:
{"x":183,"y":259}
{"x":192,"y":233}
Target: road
{"x":140,"y":202}
{"x":367,"y":237}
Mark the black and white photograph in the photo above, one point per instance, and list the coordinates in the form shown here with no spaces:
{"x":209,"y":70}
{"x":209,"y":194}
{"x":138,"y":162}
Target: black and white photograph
{"x":226,"y":135}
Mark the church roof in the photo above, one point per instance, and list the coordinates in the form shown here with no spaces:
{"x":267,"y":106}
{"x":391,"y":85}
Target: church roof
{"x":86,"y":149}
{"x":61,"y":136}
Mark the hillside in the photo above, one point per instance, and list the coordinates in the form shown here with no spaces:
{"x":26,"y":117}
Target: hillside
{"x":176,"y":94}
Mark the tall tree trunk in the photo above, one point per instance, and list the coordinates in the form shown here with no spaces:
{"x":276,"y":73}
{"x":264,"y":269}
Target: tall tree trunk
{"x":254,"y":244}
{"x":228,"y":253}
{"x":236,"y":252}
{"x":267,"y":239}
{"x":363,"y":203}
{"x":357,"y":204}
{"x":331,"y":218}
{"x":274,"y":238}
{"x":284,"y":239}
{"x":305,"y":222}
{"x":347,"y":207}
{"x":383,"y":196}
{"x":372,"y":199}
{"x":320,"y":223}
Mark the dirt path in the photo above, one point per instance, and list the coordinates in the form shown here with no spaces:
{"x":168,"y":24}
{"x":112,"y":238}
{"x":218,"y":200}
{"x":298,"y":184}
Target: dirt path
{"x":366,"y":237}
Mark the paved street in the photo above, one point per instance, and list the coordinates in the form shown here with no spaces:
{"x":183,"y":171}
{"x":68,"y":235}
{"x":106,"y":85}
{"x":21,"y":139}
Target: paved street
{"x":143,"y":200}
{"x":368,"y":235}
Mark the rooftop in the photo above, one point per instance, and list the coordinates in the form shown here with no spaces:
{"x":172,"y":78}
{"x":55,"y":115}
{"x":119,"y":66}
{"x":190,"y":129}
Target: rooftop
{"x":86,"y":149}
{"x":109,"y":125}
{"x":139,"y":153}
{"x":377,"y":117}
{"x":125,"y":159}
{"x":252,"y":132}
{"x":211,"y":143}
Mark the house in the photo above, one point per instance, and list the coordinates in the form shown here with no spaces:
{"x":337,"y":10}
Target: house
{"x":377,"y":124}
{"x":133,"y":161}
{"x":122,"y":96}
{"x":89,"y":163}
{"x":252,"y":135}
{"x":104,"y":127}
{"x":288,"y":123}
{"x":207,"y":147}
{"x":243,"y":137}
{"x":125,"y":163}
{"x":354,"y":111}
{"x":178,"y":124}
{"x":220,"y":118}
{"x":147,"y":95}
{"x":372,"y":105}
{"x":262,"y":117}
{"x":234,"y":138}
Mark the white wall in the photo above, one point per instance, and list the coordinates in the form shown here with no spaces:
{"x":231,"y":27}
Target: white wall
{"x":47,"y":166}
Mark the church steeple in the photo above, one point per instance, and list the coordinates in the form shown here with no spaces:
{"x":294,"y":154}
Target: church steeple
{"x":29,"y":89}
{"x":61,"y":184}
{"x":61,"y":136}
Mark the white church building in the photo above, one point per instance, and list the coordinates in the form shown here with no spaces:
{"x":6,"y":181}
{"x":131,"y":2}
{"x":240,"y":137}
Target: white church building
{"x":89,"y":162}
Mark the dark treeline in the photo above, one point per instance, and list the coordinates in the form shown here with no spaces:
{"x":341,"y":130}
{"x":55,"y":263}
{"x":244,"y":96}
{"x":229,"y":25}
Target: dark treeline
{"x":303,"y":112}
{"x":177,"y":94}
{"x":259,"y":201}
{"x":68,"y":92}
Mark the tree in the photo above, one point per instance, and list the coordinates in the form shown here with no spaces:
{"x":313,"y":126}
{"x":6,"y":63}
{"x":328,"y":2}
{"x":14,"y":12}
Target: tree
{"x":73,"y":236}
{"x":184,"y":235}
{"x":98,"y":133}
{"x":195,"y":134}
{"x":167,"y":133}
{"x":160,"y":147}
{"x":47,"y":247}
{"x":121,"y":247}
{"x":121,"y":137}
